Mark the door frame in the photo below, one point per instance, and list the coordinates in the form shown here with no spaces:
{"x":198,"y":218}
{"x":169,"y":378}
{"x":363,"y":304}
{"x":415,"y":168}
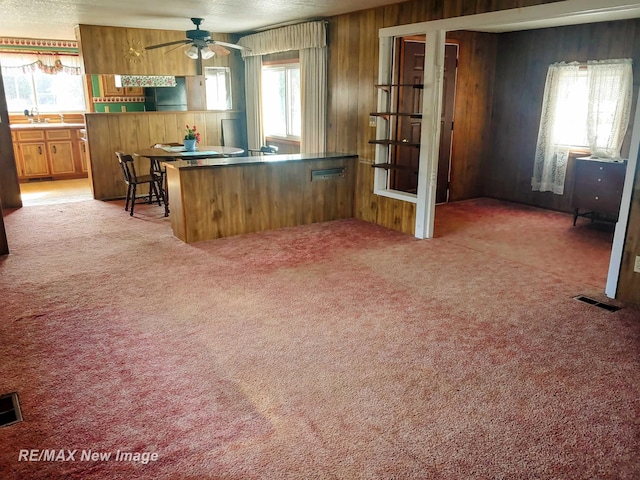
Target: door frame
{"x":569,"y":12}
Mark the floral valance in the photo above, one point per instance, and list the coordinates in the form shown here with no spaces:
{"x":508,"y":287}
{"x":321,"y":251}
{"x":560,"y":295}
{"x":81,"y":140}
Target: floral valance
{"x":47,"y":63}
{"x":145,"y":81}
{"x":292,"y":37}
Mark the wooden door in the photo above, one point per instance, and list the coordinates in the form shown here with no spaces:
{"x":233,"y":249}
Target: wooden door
{"x":33,"y":158}
{"x":61,"y":154}
{"x":446,"y":121}
{"x":407,"y":157}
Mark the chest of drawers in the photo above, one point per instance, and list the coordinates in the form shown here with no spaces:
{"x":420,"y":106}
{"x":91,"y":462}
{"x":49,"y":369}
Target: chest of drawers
{"x":598,"y":187}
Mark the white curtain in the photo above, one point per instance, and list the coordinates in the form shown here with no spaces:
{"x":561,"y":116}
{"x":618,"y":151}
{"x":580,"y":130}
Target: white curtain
{"x":580,"y":107}
{"x":253,"y":82}
{"x":610,"y":93}
{"x":313,"y":92}
{"x":311,"y":40}
{"x":550,"y":165}
{"x":292,"y":37}
{"x":48,"y":63}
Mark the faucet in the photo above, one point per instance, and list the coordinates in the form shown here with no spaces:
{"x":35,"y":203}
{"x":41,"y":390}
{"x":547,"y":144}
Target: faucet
{"x":30,"y":115}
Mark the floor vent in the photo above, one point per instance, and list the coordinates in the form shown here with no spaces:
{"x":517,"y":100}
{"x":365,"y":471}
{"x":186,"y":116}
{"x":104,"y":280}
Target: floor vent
{"x":596,"y":303}
{"x":9,"y":410}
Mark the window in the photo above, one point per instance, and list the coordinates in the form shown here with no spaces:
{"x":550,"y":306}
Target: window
{"x":583,"y":106}
{"x":61,"y":92}
{"x":281,"y":100}
{"x":218,"y":85}
{"x":570,"y":127}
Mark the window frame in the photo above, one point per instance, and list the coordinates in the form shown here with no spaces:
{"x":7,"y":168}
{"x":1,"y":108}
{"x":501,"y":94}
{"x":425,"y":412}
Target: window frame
{"x":287,"y":65}
{"x":228,"y":86}
{"x":32,"y":82}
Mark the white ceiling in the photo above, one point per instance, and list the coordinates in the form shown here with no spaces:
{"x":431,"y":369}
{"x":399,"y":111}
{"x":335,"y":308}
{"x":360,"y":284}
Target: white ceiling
{"x":55,"y":19}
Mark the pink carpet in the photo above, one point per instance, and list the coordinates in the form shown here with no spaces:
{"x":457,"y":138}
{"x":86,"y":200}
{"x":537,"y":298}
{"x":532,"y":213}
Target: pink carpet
{"x":335,"y":350}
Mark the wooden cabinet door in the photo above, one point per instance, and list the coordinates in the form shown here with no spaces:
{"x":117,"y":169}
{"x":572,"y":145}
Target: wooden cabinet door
{"x":134,"y":91}
{"x":83,"y":155}
{"x":33,"y":157}
{"x":61,"y":154}
{"x":109,"y":89}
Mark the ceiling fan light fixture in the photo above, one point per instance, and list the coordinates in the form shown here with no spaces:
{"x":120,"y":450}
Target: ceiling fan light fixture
{"x":207,"y":53}
{"x":192,"y":52}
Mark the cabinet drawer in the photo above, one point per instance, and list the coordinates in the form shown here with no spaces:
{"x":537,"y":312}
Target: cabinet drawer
{"x":30,"y":135}
{"x":589,"y":171}
{"x":58,"y":134}
{"x":597,"y":202}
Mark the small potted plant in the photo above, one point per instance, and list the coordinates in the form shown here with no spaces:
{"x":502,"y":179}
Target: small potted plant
{"x":191,"y":138}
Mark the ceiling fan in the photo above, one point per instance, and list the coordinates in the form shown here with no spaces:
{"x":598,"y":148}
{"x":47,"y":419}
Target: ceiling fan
{"x":202,"y":46}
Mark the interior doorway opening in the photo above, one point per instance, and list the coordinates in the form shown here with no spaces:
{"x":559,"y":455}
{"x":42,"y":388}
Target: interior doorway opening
{"x":53,"y":192}
{"x":569,"y":12}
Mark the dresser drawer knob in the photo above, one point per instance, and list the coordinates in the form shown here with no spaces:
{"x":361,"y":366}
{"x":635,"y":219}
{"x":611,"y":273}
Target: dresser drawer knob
{"x":601,"y":168}
{"x":599,"y":179}
{"x":597,"y":198}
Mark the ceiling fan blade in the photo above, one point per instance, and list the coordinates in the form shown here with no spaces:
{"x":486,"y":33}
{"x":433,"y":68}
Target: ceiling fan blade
{"x":230,"y":45}
{"x":174,"y":48}
{"x":167,"y":44}
{"x":219,"y":50}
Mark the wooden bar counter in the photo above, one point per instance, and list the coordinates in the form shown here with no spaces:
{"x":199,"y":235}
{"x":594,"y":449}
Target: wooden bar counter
{"x":221,"y":197}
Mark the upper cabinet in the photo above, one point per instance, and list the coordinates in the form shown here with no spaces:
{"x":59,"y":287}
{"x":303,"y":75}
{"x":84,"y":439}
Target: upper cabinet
{"x":109,"y":89}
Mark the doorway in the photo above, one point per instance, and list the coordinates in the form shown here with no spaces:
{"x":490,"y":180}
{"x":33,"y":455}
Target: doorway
{"x":53,"y":192}
{"x":410,"y":71}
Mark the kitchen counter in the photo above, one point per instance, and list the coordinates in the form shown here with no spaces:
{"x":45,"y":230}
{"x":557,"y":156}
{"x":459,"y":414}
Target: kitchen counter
{"x":220,"y":197}
{"x":253,"y":160}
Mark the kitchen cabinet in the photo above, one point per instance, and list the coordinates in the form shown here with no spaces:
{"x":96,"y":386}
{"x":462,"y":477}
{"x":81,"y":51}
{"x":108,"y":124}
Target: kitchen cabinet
{"x":109,"y":89}
{"x":47,"y":153}
{"x":33,"y":160}
{"x":60,"y":148}
{"x":134,"y":91}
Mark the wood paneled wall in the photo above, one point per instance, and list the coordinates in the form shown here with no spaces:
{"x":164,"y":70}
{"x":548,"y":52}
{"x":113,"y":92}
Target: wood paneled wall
{"x":9,"y":186}
{"x":103,"y":51}
{"x":353,"y":70}
{"x":128,"y":132}
{"x":522,"y":67}
{"x":472,"y":114}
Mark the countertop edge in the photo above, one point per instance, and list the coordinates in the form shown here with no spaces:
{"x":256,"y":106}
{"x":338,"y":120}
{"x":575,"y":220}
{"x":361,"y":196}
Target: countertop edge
{"x":253,"y":160}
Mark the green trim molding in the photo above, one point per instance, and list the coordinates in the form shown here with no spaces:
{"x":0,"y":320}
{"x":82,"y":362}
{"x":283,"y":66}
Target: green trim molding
{"x":34,"y":45}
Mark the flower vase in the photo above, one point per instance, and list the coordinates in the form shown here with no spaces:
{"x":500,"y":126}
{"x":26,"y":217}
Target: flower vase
{"x":190,"y":145}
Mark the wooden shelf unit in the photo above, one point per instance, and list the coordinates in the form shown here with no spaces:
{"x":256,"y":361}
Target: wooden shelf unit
{"x":390,"y":114}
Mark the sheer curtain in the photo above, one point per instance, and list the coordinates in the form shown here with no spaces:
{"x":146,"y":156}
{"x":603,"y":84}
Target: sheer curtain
{"x":610,"y":93}
{"x":581,"y":107}
{"x":550,"y":164}
{"x":311,"y":40}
